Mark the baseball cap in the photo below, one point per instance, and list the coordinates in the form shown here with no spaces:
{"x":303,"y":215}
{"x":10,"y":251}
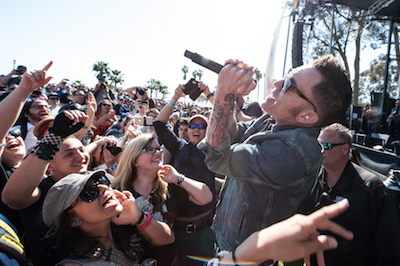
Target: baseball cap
{"x":63,"y":193}
{"x":202,"y":117}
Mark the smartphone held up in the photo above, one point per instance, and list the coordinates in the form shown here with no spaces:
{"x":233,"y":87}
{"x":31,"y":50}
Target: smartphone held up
{"x":192,"y":89}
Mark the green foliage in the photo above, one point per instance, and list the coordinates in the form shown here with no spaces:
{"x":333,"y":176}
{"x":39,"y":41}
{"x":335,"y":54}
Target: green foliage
{"x":351,"y":28}
{"x":198,"y":73}
{"x":77,"y":83}
{"x":373,"y":78}
{"x":116,"y":78}
{"x":156,"y":86}
{"x":104,"y":71}
{"x":185,"y":69}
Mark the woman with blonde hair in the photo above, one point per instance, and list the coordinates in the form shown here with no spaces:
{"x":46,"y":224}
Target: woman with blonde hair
{"x":141,"y":171}
{"x":137,"y":172}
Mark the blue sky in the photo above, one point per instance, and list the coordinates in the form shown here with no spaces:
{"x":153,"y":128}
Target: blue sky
{"x":143,"y":39}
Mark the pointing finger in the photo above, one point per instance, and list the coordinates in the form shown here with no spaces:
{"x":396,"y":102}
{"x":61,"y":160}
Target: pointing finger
{"x":48,"y":66}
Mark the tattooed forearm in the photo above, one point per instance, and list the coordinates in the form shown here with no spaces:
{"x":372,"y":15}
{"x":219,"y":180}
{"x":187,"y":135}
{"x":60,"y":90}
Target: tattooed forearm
{"x":222,"y":116}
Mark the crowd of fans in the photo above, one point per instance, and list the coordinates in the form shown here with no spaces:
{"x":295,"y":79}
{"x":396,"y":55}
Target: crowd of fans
{"x":98,"y":175}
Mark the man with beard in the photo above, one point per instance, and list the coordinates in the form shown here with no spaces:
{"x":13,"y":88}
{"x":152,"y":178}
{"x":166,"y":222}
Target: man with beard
{"x":32,"y":113}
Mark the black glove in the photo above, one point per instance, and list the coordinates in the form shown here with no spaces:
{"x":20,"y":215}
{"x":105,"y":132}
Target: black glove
{"x":63,"y":126}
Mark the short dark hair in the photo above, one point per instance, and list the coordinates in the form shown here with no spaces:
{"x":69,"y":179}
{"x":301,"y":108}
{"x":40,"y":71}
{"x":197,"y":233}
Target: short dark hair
{"x":75,"y":91}
{"x":332,"y":96}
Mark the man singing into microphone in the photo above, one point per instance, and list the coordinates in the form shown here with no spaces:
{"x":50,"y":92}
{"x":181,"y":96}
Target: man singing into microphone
{"x":270,"y":163}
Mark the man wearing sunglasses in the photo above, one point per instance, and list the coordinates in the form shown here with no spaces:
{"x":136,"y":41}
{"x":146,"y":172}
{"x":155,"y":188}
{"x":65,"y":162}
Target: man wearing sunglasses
{"x":373,"y":215}
{"x":270,"y":163}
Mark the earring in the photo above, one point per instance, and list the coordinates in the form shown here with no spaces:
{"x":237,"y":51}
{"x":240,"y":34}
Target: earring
{"x":77,"y":223}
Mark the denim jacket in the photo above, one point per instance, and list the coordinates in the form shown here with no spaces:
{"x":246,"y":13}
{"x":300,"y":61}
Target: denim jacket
{"x":269,"y":169}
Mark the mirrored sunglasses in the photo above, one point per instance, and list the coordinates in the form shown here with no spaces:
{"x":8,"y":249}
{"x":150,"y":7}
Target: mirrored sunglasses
{"x":330,"y":146}
{"x":199,"y":126}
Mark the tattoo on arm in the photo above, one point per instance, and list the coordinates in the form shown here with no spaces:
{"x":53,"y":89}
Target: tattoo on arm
{"x":219,"y":122}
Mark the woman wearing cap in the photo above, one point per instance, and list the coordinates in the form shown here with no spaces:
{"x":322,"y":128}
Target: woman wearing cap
{"x":98,"y":225}
{"x":104,"y":118}
{"x":193,"y":220}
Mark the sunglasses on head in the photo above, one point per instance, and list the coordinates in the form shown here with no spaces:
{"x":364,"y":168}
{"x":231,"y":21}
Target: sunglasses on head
{"x":330,"y":146}
{"x":91,"y":192}
{"x":199,"y":126}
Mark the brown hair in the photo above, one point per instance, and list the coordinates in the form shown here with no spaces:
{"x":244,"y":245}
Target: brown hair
{"x":332,"y":96}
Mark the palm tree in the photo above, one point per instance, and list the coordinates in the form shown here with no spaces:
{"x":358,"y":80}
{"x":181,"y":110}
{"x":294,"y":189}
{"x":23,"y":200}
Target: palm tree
{"x":185,"y":69}
{"x":157,"y":86}
{"x":102,"y":69}
{"x":195,"y":73}
{"x":77,"y":83}
{"x":200,"y":73}
{"x":116,"y":78}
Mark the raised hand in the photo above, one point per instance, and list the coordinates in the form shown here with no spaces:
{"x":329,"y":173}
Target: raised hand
{"x":168,"y":173}
{"x":91,"y":104}
{"x":236,"y":78}
{"x":179,"y":92}
{"x":68,"y":122}
{"x":32,"y":80}
{"x":130,"y":213}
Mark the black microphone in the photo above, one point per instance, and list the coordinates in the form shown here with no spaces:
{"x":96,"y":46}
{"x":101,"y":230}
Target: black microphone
{"x":205,"y":62}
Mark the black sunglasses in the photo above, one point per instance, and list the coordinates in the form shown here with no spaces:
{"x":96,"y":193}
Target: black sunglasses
{"x":330,"y":146}
{"x":199,"y":126}
{"x":15,"y":133}
{"x":91,"y":192}
{"x":288,"y":85}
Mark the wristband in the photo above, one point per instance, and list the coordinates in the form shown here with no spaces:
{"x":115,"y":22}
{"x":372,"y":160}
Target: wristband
{"x":149,"y":217}
{"x":47,"y":147}
{"x":210,"y":95}
{"x":45,"y":151}
{"x":140,"y":219}
{"x":171,"y":103}
{"x":181,"y":177}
